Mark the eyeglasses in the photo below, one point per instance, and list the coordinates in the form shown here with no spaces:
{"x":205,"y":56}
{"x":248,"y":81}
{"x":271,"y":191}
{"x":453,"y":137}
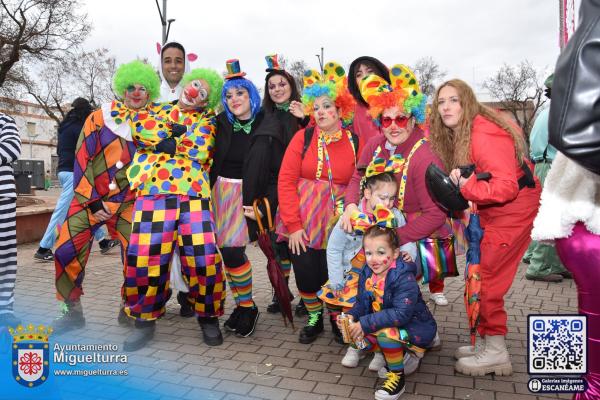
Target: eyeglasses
{"x":400,"y":120}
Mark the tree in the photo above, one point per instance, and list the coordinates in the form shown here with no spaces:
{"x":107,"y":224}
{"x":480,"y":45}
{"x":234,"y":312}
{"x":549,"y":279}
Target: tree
{"x":38,"y":30}
{"x":429,"y":74}
{"x":296,"y":69}
{"x":85,"y":74}
{"x":92,"y":75}
{"x":519,"y":90}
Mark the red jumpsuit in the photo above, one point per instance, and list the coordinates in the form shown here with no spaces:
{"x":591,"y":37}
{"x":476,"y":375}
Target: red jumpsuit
{"x":506,"y":213}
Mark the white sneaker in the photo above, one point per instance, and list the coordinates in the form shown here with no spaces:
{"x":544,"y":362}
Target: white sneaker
{"x":352,"y":357}
{"x":411,"y":364}
{"x":439,"y":299}
{"x":377,"y":362}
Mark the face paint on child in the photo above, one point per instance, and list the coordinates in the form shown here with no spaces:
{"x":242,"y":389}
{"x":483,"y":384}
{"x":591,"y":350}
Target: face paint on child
{"x":379,"y":254}
{"x":383,"y":193}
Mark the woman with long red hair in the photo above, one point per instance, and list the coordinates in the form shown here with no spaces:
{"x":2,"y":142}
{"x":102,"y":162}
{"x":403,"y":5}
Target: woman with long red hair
{"x":464,"y":132}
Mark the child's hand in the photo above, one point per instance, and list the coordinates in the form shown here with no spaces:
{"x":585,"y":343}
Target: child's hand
{"x":339,"y":322}
{"x":356,"y":331}
{"x":406,"y":257}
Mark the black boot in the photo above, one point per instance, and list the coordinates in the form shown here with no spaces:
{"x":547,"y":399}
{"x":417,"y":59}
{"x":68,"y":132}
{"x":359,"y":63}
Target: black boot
{"x":231,"y":323}
{"x":337,"y":335}
{"x":71,"y":317}
{"x":313,"y":327}
{"x":273,"y":308}
{"x":211,"y":333}
{"x":141,"y":335}
{"x":123,"y":319}
{"x":247,"y":321}
{"x":186,"y":310}
{"x":301,"y":310}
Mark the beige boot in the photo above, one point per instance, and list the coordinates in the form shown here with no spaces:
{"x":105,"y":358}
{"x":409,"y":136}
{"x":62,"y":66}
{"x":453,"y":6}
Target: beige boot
{"x":468,"y":351}
{"x":494,"y":358}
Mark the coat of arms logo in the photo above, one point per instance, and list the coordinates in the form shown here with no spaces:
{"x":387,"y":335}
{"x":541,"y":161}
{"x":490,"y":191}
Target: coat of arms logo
{"x":30,"y":354}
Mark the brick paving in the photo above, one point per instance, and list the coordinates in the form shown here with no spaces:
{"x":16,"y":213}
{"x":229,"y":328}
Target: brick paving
{"x":271,"y":364}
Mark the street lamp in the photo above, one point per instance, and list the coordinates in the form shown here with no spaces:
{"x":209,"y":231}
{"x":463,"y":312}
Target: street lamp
{"x":166,"y":23}
{"x":320,"y":58}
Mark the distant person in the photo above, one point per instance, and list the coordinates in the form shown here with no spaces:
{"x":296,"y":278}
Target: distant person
{"x":544,"y":264}
{"x":10,"y":150}
{"x":68,"y":134}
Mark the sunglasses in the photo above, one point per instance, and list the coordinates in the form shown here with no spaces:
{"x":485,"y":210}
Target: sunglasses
{"x":401,"y":121}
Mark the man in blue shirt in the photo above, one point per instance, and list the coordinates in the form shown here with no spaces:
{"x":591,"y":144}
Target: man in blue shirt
{"x":544,"y":264}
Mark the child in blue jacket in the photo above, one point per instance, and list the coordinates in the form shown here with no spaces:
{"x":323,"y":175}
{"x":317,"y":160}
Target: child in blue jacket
{"x":345,"y":258}
{"x":389,"y":313}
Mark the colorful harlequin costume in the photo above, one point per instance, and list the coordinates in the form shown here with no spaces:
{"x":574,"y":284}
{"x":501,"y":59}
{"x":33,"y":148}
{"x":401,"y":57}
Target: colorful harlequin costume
{"x":173,"y":206}
{"x":312,"y":181}
{"x":246,"y":164}
{"x":100,"y":182}
{"x":424,"y":216}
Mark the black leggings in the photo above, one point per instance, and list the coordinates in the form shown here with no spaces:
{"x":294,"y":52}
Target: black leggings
{"x":310,"y":269}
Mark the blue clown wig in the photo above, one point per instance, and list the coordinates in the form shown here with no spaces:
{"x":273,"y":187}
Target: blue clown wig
{"x":237,"y":83}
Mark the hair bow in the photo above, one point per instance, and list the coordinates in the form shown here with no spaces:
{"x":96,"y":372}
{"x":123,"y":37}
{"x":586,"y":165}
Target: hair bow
{"x":382,"y":217}
{"x":378,"y":165}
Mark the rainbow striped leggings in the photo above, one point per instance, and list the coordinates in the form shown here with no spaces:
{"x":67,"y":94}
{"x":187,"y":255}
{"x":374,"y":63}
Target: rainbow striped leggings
{"x":159,"y":222}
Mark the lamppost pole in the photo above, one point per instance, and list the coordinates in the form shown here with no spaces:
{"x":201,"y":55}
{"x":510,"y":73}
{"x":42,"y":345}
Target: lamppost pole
{"x":320,"y":58}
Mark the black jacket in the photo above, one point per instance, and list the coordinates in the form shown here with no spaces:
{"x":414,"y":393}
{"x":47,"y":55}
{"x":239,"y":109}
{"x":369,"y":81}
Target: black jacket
{"x":68,"y":133}
{"x":574,"y":122}
{"x":261,"y":165}
{"x":289,"y":124}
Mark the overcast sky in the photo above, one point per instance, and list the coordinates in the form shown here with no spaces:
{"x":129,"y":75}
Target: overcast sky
{"x":470,"y":39}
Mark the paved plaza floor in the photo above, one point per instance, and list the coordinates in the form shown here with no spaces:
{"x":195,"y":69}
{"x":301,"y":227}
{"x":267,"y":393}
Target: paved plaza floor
{"x":271,"y":364}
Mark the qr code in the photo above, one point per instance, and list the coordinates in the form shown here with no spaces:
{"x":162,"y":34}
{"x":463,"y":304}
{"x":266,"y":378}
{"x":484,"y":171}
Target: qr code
{"x":557,"y":344}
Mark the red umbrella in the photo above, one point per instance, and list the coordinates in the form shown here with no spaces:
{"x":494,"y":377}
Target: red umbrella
{"x":474,"y":234}
{"x":266,"y":242}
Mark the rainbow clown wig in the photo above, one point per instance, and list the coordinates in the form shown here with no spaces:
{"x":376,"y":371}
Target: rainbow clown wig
{"x":236,"y":83}
{"x":212,"y":78}
{"x":334,"y":85}
{"x":404,"y":92}
{"x":136,"y":72}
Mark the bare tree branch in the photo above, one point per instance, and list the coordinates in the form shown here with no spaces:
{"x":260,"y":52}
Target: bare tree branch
{"x":38,"y":30}
{"x":519,"y":90}
{"x":429,"y":74}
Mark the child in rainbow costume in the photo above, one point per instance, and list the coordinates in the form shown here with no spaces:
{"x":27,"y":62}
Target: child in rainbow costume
{"x":169,"y":174}
{"x":389,"y":314}
{"x":345,"y":256}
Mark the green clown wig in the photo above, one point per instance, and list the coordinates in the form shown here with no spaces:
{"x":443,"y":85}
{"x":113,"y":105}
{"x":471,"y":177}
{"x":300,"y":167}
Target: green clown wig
{"x":214,"y":80}
{"x":136,"y":72}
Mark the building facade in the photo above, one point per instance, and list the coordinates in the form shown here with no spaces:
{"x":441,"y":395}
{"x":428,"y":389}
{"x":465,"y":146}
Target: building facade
{"x":38,"y":132}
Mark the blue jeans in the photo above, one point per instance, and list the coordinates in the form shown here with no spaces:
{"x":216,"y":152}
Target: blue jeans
{"x":61,"y":210}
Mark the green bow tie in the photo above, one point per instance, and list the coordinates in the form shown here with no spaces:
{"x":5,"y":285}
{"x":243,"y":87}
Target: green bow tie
{"x":284,"y":106}
{"x":246,"y":127}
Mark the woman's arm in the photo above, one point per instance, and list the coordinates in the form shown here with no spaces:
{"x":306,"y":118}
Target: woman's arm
{"x":493,"y":152}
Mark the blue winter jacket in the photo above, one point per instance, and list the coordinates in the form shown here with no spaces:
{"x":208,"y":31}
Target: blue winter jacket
{"x":342,"y":247}
{"x":403,"y":305}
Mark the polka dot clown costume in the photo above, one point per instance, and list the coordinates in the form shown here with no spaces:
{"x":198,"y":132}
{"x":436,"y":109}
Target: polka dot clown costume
{"x":169,"y":174}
